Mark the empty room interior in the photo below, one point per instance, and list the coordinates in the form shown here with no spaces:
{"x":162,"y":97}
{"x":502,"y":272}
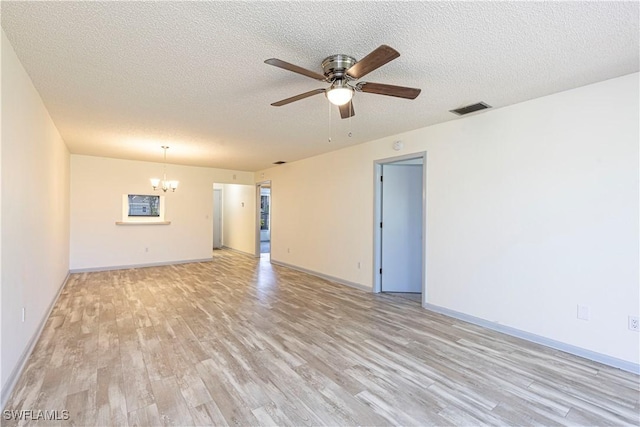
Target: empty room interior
{"x":320,"y":213}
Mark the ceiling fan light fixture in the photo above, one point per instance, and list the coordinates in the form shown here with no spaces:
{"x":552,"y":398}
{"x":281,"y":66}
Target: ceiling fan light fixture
{"x":343,"y":73}
{"x":339,"y":93}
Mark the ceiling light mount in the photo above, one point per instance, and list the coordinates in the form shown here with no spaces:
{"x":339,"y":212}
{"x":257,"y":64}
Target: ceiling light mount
{"x":336,"y":66}
{"x":164,"y":184}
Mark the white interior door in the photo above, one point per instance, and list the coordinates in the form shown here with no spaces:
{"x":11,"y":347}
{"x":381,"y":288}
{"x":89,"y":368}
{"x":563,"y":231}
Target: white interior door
{"x":217,"y":219}
{"x":401,"y":237}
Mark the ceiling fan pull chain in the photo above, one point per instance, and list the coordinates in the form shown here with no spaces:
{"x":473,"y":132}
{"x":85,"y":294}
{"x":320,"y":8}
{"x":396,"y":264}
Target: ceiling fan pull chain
{"x":329,"y":104}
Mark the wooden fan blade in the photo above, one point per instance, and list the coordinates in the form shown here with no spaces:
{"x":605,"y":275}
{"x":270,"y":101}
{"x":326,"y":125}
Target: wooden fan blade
{"x":298,"y":97}
{"x":374,"y":60}
{"x":346,"y":110}
{"x":286,"y":66}
{"x":389,"y":90}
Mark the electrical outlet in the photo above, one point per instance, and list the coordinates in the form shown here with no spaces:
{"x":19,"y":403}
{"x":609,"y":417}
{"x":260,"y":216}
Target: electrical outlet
{"x":583,"y":312}
{"x":634,"y":324}
{"x":288,"y":250}
{"x":358,"y":265}
{"x":24,"y":314}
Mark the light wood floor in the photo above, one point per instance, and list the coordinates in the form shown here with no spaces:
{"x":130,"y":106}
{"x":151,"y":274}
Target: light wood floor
{"x":241,"y":342}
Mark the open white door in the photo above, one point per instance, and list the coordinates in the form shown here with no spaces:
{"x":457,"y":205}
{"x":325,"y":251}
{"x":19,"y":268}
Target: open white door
{"x":401,"y":235}
{"x":217,"y":218}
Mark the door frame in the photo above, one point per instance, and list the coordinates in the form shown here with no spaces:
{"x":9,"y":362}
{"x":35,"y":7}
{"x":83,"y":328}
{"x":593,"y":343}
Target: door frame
{"x":377,"y":215}
{"x":215,"y":217}
{"x":258,"y":200}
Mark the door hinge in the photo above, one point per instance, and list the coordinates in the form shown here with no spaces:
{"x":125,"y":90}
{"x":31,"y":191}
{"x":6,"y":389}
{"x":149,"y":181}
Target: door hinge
{"x":380,"y":178}
{"x":380,"y":224}
{"x":380,"y":271}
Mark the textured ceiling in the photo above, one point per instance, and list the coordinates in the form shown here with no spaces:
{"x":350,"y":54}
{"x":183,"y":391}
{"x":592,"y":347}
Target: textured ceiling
{"x":120,"y":79}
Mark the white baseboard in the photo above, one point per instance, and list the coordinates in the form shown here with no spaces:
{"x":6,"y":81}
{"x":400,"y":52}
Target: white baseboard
{"x":324,"y":276}
{"x":130,"y":266}
{"x":548,"y":342}
{"x":252,"y":255}
{"x":7,"y":389}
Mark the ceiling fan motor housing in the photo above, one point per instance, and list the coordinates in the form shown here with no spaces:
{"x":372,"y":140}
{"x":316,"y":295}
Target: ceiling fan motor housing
{"x":336,"y":66}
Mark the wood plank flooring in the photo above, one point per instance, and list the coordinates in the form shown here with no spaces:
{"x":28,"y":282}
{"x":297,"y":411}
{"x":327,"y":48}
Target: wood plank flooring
{"x":237,"y":341}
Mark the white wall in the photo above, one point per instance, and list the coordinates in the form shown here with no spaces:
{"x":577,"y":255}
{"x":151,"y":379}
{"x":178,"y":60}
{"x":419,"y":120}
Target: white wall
{"x":3,"y":382}
{"x":531,"y":210}
{"x":35,"y":212}
{"x":239,"y":217}
{"x":97,"y":186}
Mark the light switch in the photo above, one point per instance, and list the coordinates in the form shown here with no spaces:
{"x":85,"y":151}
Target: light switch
{"x":583,"y":312}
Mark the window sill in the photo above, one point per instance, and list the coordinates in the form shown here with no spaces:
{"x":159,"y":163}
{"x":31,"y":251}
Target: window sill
{"x":143,"y":222}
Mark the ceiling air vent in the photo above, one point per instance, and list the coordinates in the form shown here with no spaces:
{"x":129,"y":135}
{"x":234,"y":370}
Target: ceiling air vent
{"x":279,"y":162}
{"x":470,"y":108}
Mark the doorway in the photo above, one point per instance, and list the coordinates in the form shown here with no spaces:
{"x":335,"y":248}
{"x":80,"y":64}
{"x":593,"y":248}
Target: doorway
{"x":263,"y":236}
{"x":217,"y":218}
{"x":400,"y":218}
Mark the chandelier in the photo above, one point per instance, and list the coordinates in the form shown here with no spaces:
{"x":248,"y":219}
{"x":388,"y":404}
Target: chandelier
{"x":164,"y":183}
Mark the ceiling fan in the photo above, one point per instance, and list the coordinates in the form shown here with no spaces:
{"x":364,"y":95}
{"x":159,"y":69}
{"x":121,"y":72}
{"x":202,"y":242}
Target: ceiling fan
{"x":342,"y":71}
